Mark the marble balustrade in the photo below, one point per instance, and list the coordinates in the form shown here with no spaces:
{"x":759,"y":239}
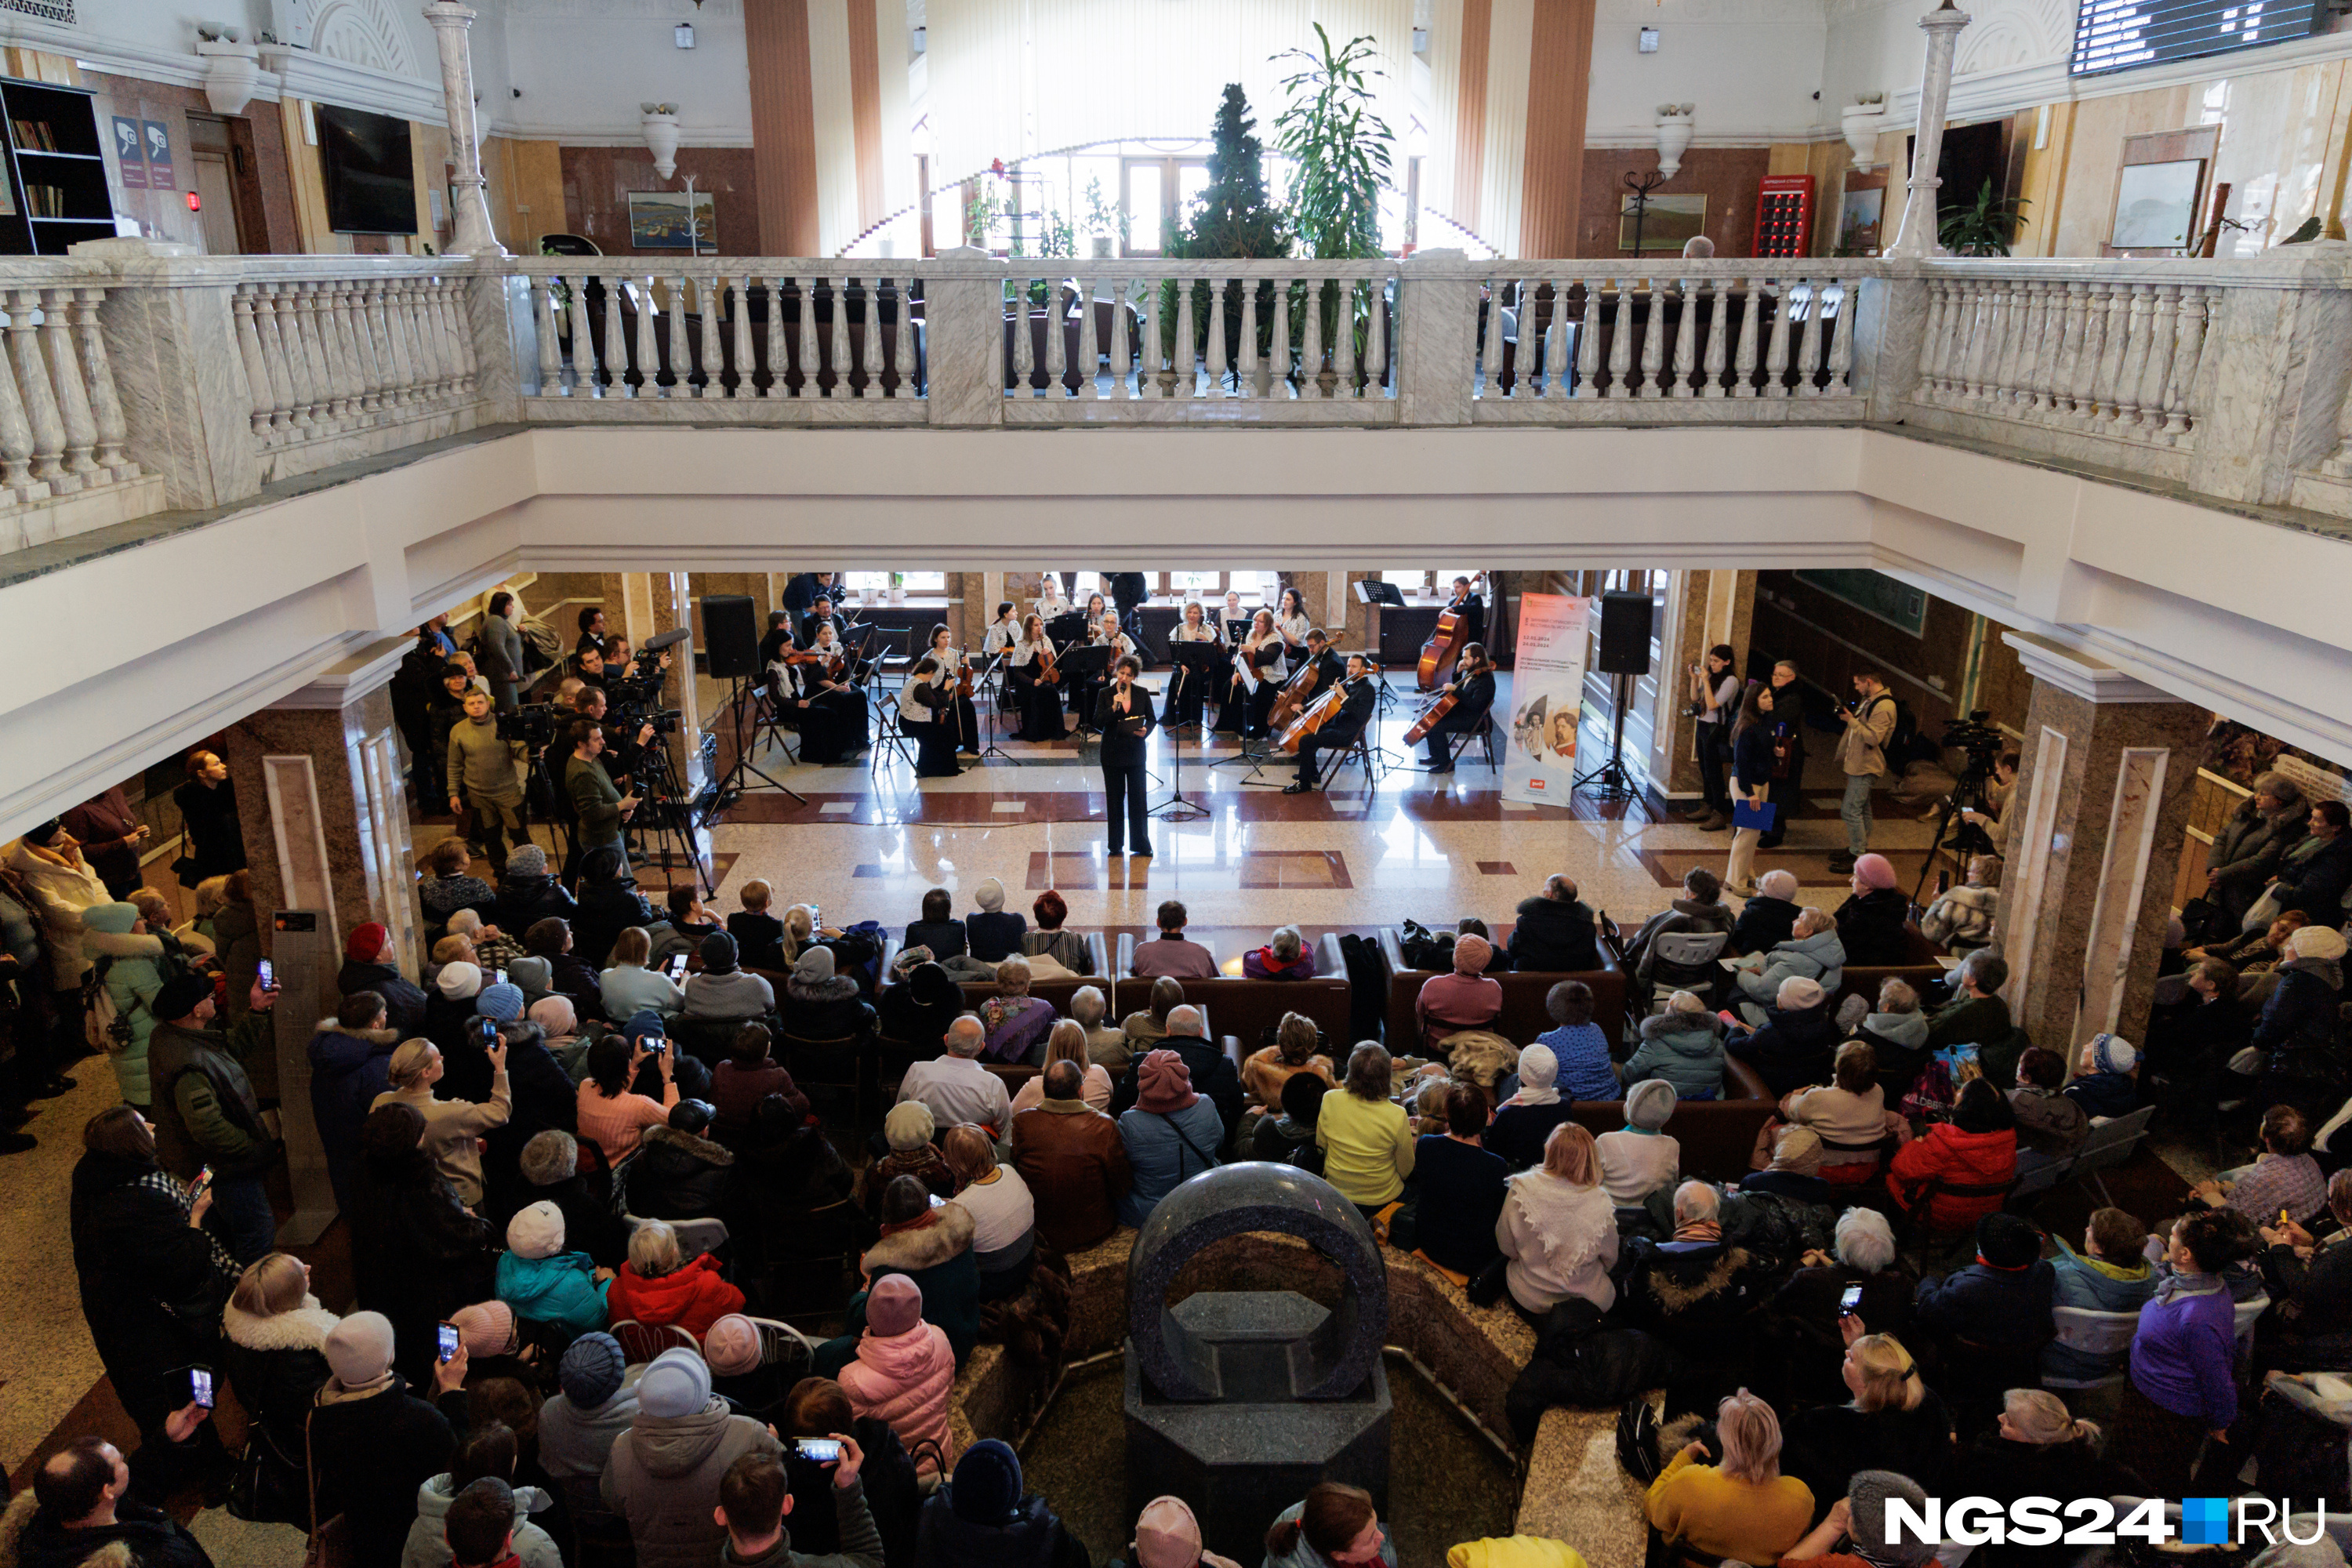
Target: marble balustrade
{"x":332,"y":346}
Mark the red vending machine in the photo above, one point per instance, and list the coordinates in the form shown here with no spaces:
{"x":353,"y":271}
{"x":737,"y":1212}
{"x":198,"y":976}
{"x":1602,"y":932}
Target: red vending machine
{"x":1784,"y":216}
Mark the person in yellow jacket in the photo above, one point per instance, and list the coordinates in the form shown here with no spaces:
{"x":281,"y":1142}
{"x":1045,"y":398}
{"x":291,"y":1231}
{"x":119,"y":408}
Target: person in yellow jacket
{"x":1366,"y":1137}
{"x":1742,"y":1507}
{"x":1513,"y":1552}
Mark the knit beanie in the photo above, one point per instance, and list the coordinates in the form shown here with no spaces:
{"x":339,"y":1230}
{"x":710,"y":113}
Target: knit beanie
{"x":718,"y":953}
{"x":909,"y":1126}
{"x":990,"y":895}
{"x":732,"y":1345}
{"x":643,"y":1021}
{"x":2113,"y":1053}
{"x":536,"y":1231}
{"x":359,"y":1348}
{"x":1472,"y":954}
{"x":676,"y":1383}
{"x":1689,"y":1001}
{"x":1167,"y":1535}
{"x":365,"y":941}
{"x":486,"y":1328}
{"x":1539,"y":1067}
{"x":535,"y":975}
{"x":180,"y":996}
{"x":1649,"y":1103}
{"x":501,"y":1001}
{"x":1875,"y":871}
{"x":1798,"y":993}
{"x":1164,"y":1083}
{"x":44,"y":834}
{"x":987,"y":1485}
{"x":460,"y":982}
{"x":2317,"y":941}
{"x":526,"y":860}
{"x":594,"y":1369}
{"x":815,"y":966}
{"x":1867,"y":1495}
{"x":2005,"y":1241}
{"x":894,"y":1305}
{"x":555,"y":1016}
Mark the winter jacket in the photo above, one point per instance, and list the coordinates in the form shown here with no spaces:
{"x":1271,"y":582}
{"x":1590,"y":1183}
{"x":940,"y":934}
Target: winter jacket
{"x":827,"y":1010}
{"x":1554,"y":935}
{"x":1823,"y":1447}
{"x":2313,"y":875}
{"x":236,"y":943}
{"x":1213,"y":1074}
{"x":1260,"y":963}
{"x":150,"y":1285}
{"x":34,"y":1537}
{"x":349,"y":1068}
{"x":1764,"y":924}
{"x":1961,"y":916}
{"x":417,"y":1257}
{"x":372,"y":1454}
{"x":452,"y":1127}
{"x":60,"y":892}
{"x":905,"y":1380}
{"x":2183,"y":1354}
{"x":1684,"y":1048}
{"x":575,"y":1443}
{"x":2005,"y":1470}
{"x":205,"y":1112}
{"x":1956,"y":1158}
{"x":1560,"y":1239}
{"x":428,"y":1546}
{"x":1075,"y":1162}
{"x":590,"y":1225}
{"x":664,"y":1479}
{"x":1582,"y":1050}
{"x":606,"y":909}
{"x":133,"y":970}
{"x":215,"y":836}
{"x":2312,"y":1320}
{"x":524,"y":901}
{"x":1969,"y":1020}
{"x":994,"y":936}
{"x":2297,"y":1029}
{"x":1998,"y":1309}
{"x":918,"y":1011}
{"x":403,"y":1003}
{"x":734,"y":994}
{"x":442,"y":896}
{"x":850,"y":1537}
{"x":1518,"y":1133}
{"x":693,"y":1295}
{"x":1793,"y":1049}
{"x":2248,"y":850}
{"x":934,"y":1252}
{"x":562,"y":1290}
{"x":574,"y":978}
{"x":1462,"y":1189}
{"x":1873,"y":927}
{"x":1164,"y":1150}
{"x":1820,"y":956}
{"x":278,"y":1365}
{"x":2048,"y":1122}
{"x":679,"y":1175}
{"x":2105,"y":1094}
{"x":1033,"y":1538}
{"x":2100,"y":1286}
{"x":629,"y":989}
{"x":1696,"y":1296}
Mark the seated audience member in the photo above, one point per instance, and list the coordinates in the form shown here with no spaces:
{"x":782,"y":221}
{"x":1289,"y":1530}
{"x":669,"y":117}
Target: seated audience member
{"x":1004,"y":1213}
{"x":1576,"y":1043}
{"x":368,"y":966}
{"x":931,"y":1245}
{"x":1015,"y":1022}
{"x":1525,"y":1121}
{"x":1106,"y":1046}
{"x":2049,"y":1125}
{"x":1641,"y":1159}
{"x":1769,"y":918}
{"x":1460,"y":1187}
{"x":1558,"y":1230}
{"x":658,"y":1285}
{"x":1741,"y":1507}
{"x":528,"y":894}
{"x":995,"y":932}
{"x":917,"y":1011}
{"x":938,"y":929}
{"x":1332,"y":1525}
{"x":1976,"y":1015}
{"x":1961,"y":917}
{"x":545,"y":1284}
{"x":1148,"y":1026}
{"x":1693,"y":1289}
{"x":1073,"y":1161}
{"x":956,"y":1087}
{"x":611,"y":1115}
{"x":820,"y":1003}
{"x":2284,"y":1179}
{"x":747,"y":1077}
{"x":798,"y":1194}
{"x":1792,"y":1167}
{"x":1697,"y":913}
{"x":1285,"y":956}
{"x":1873,"y":924}
{"x":1858,"y":1523}
{"x":984,"y":1516}
{"x":680,"y":1172}
{"x":903,"y":1373}
{"x":2311,"y":1280}
{"x":371,"y":1444}
{"x":1795,"y":1044}
{"x":350,"y":1065}
{"x":723,"y":990}
{"x":1468,"y":998}
{"x":1554,"y":932}
{"x":758,"y":935}
{"x":1287,"y":1136}
{"x":453,"y":1127}
{"x":1977,"y":1148}
{"x":1167,"y":1535}
{"x":1172,"y":1133}
{"x":609,"y":904}
{"x":1297,"y":1042}
{"x":908,"y":1130}
{"x":2190,"y":1041}
{"x":816,"y":1407}
{"x":1065,"y":948}
{"x":665,"y":1473}
{"x":1993,"y":1315}
{"x":550,"y":942}
{"x":1806,"y":1316}
{"x":629,"y":987}
{"x":1170,"y":954}
{"x":1849,"y":1113}
{"x":550,"y":1171}
{"x":1206,"y":1069}
{"x":1683,"y":1046}
{"x":2106,"y":1081}
{"x":1896,"y":1032}
{"x":448,"y":887}
{"x":474,"y":1516}
{"x":1891,"y":1418}
{"x":2297,"y":1036}
{"x":2037,"y":1448}
{"x":1366,"y":1137}
{"x":1812,"y":950}
{"x":2107,"y":1276}
{"x":1067,"y":1043}
{"x":578,"y":1426}
{"x":2182,"y":1386}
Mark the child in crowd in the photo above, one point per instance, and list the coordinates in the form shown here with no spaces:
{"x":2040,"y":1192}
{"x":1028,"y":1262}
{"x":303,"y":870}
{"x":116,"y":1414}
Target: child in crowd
{"x":2107,"y":1080}
{"x":758,"y":935}
{"x":2107,"y":1276}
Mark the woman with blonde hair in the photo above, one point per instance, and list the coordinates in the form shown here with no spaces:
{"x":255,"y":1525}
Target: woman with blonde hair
{"x":453,"y":1127}
{"x":1365,"y":1136}
{"x":1067,"y":1043}
{"x":1295,"y":1049}
{"x":274,"y":1336}
{"x":1892,"y":1421}
{"x":2038,"y":1448}
{"x":1557,"y":1232}
{"x":659,"y":1285}
{"x":1741,"y":1506}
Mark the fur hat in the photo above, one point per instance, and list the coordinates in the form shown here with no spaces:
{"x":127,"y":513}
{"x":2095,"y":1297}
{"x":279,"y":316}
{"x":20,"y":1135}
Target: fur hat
{"x":2005,"y":1241}
{"x":732,"y":1345}
{"x":1163,"y":1083}
{"x":526,"y":860}
{"x":1167,"y":1535}
{"x":676,"y":1383}
{"x":2317,"y":941}
{"x":366,"y":940}
{"x":461,"y":981}
{"x":895,"y":1305}
{"x":501,"y":1001}
{"x":1875,"y":871}
{"x":359,"y":1348}
{"x":1472,"y":954}
{"x":987,"y":1485}
{"x":815,"y":966}
{"x":718,"y":953}
{"x":989,"y":896}
{"x":486,"y":1328}
{"x":1649,"y":1103}
{"x":594,"y":1369}
{"x":536,"y":1231}
{"x":1798,"y":993}
{"x":553,"y":1155}
{"x":909,"y":1126}
{"x":1867,"y":1498}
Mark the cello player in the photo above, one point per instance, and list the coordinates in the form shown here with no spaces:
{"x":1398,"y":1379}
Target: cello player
{"x":1474,"y":692}
{"x":1341,"y":731}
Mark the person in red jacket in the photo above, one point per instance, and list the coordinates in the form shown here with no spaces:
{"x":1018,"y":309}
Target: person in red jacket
{"x":656,"y":1287}
{"x":1977,"y":1148}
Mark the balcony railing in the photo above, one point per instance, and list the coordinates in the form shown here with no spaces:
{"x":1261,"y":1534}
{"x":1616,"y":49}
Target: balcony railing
{"x":133,"y":378}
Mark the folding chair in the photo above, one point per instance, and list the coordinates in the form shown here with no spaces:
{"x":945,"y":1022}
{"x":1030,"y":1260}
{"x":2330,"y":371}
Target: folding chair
{"x":2110,"y":1143}
{"x":835,"y":1066}
{"x":785,"y":1348}
{"x":1683,"y":961}
{"x":2107,"y":1335}
{"x":1482,"y":732}
{"x":1359,"y":752}
{"x":642,"y":1342}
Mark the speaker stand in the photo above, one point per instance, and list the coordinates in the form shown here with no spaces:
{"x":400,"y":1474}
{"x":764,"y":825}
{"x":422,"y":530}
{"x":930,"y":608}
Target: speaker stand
{"x":1610,"y":783}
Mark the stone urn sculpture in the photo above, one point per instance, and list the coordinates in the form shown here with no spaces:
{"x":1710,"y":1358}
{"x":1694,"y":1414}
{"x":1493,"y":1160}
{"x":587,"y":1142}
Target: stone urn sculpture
{"x":1862,"y":123}
{"x":232,"y":72}
{"x":659,"y":123}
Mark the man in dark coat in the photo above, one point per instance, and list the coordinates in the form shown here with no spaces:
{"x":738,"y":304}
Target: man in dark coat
{"x":368,"y":966}
{"x":1794,"y":1047}
{"x":679,"y":1173}
{"x":1211,"y":1072}
{"x":1769,"y":918}
{"x":205,"y":1109}
{"x":528,"y":894}
{"x":374,"y":1444}
{"x":1555,"y":931}
{"x":78,"y":1503}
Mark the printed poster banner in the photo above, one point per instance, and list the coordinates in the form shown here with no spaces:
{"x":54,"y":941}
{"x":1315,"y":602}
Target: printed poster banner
{"x":129,"y":152}
{"x":1547,"y":695}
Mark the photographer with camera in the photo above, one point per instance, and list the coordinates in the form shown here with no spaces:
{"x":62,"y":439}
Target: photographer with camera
{"x":485,"y":775}
{"x":1862,"y":752}
{"x":597,"y":805}
{"x":1713,"y":703}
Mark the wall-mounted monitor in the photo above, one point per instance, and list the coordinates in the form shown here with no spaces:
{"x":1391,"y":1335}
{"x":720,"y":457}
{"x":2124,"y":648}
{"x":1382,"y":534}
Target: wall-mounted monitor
{"x":371,"y":183}
{"x":2116,"y":35}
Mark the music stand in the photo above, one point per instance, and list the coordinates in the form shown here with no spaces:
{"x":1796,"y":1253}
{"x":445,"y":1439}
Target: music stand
{"x":1083,"y":665}
{"x":993,"y":670}
{"x":1066,"y":628}
{"x":1236,"y":631}
{"x":1255,"y":758}
{"x":1192,"y":661}
{"x":736,"y":782}
{"x":1373,"y":591}
{"x":1196,"y":664}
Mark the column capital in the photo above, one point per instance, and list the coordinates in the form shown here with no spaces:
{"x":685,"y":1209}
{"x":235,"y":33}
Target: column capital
{"x":1947,"y":15}
{"x":2080,"y":675}
{"x":348,"y":679}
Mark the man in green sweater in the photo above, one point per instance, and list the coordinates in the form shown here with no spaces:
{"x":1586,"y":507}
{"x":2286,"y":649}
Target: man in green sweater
{"x":599,"y":809}
{"x":205,"y":1109}
{"x":484,"y":773}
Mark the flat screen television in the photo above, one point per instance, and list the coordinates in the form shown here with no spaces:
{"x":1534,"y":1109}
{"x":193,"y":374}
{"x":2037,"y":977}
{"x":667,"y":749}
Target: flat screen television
{"x":371,"y":185}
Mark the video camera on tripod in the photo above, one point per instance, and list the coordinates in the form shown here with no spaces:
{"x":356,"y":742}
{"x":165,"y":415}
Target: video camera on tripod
{"x":1976,"y":738}
{"x":535,"y":725}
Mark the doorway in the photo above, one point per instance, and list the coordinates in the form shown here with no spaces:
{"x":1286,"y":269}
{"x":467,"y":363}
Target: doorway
{"x":222,"y":173}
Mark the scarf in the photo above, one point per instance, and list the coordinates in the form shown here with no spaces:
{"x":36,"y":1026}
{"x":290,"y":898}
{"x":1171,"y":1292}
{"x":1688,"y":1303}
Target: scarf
{"x":335,"y":1393}
{"x":1700,"y":1230}
{"x":2182,"y":1283}
{"x":1538,"y":1072}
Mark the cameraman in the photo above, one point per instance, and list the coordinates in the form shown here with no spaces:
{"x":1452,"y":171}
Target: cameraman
{"x":485,"y":773}
{"x":600,"y":807}
{"x":622,"y":753}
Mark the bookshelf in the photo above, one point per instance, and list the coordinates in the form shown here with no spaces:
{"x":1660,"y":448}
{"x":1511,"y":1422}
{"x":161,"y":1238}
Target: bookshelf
{"x":57,"y":172}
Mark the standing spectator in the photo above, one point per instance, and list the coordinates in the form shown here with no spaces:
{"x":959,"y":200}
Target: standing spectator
{"x":1523,"y":1122}
{"x":2247,"y":850}
{"x":2299,"y":1025}
{"x":598,"y":808}
{"x":755,"y":1494}
{"x":903,"y":1372}
{"x":527,"y":893}
{"x":1579,"y":1044}
{"x":1554,"y":932}
{"x":1172,"y":1134}
{"x":368,"y":966}
{"x":453,"y":1127}
{"x":1788,"y":739}
{"x":80,"y":1508}
{"x":372,"y":1444}
{"x":984,"y":1517}
{"x":2182,"y":1389}
{"x":1754,"y":760}
{"x":1741,"y":1507}
{"x":274,"y":1336}
{"x":47,"y":865}
{"x":1861,"y":755}
{"x":2107,"y":1276}
{"x":1172,"y":954}
{"x":1682,"y":1046}
{"x":207,"y":803}
{"x":1466,"y":999}
{"x":486,"y":776}
{"x":111,"y":835}
{"x":350,"y":1065}
{"x":1462,"y":1186}
{"x":995,"y":932}
{"x":1073,"y":1161}
{"x":666,"y":1474}
{"x":542,"y":1281}
{"x":938,"y":929}
{"x":1557,"y":1231}
{"x":1366,"y":1136}
{"x":504,"y":667}
{"x":417,"y":1253}
{"x":127,"y":959}
{"x":956,"y":1087}
{"x":2314,"y":874}
{"x":1715,"y":690}
{"x":206,"y":1112}
{"x":1873,"y":924}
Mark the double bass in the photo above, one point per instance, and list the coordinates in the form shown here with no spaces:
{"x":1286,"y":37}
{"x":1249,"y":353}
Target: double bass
{"x":1442,"y":648}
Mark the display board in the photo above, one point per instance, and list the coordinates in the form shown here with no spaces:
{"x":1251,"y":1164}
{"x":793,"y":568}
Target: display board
{"x":1547,"y":698}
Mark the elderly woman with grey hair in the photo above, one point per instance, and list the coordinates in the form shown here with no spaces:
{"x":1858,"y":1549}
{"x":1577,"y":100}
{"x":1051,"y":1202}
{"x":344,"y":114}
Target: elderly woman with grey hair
{"x":1286,"y":955}
{"x":1802,"y":1318}
{"x":2248,"y":850}
{"x":1105,"y":1043}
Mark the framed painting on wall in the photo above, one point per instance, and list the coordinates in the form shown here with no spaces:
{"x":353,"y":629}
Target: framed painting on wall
{"x":2155,"y":204}
{"x":1859,"y":214}
{"x":1670,"y":221}
{"x":660,"y":220}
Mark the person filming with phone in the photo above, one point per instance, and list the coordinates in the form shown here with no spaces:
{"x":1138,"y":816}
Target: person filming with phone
{"x":206,"y":1113}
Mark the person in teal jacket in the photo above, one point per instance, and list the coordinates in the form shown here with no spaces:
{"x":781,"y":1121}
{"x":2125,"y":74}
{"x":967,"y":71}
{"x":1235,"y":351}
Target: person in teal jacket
{"x":116,"y":937}
{"x":546,"y":1284}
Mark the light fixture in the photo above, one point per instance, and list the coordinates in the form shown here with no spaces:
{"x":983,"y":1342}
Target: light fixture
{"x":659,"y":123}
{"x":1674,"y":127}
{"x":683,"y":35}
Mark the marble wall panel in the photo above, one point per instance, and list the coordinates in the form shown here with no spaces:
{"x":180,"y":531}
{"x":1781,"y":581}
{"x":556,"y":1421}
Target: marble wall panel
{"x":597,"y":181}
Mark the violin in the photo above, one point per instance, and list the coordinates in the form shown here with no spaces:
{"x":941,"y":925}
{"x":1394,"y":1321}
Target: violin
{"x":1046,"y":670}
{"x":964,"y":677}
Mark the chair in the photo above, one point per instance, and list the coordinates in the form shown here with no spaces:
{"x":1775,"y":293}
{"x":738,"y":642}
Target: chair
{"x":1483,"y":731}
{"x":1683,"y":961}
{"x":642,"y":1342}
{"x":1359,"y":752}
{"x":2041,"y":1179}
{"x":833,"y":1067}
{"x":2245,"y":1315}
{"x":785,"y":1347}
{"x":696,"y":1237}
{"x":2110,"y":1143}
{"x":1918,"y":1226}
{"x":2086,"y":1332}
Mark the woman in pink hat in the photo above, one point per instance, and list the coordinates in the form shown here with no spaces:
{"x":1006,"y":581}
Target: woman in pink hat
{"x":903,"y":1372}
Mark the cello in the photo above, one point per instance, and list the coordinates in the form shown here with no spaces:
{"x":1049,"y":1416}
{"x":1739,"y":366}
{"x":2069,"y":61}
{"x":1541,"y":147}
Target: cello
{"x":1292,"y":696}
{"x":1442,"y":648}
{"x":1320,"y":713}
{"x":1430,"y":716}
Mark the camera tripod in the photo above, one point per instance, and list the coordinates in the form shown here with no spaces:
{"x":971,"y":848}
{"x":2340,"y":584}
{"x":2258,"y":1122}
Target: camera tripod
{"x":733,"y":786}
{"x":664,"y":821}
{"x":1966,"y":839}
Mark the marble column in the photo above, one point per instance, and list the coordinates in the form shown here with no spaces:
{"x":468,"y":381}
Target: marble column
{"x":1917,"y":235}
{"x":2095,"y":832}
{"x":1703,"y":608}
{"x":470,"y":233}
{"x":319,"y":793}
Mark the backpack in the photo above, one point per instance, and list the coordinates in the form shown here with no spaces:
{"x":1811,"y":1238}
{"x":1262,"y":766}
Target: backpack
{"x":103,"y":1027}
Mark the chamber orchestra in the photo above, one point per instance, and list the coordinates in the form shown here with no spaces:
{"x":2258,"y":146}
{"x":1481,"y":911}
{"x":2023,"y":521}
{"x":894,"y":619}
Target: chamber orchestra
{"x":1053,"y":671}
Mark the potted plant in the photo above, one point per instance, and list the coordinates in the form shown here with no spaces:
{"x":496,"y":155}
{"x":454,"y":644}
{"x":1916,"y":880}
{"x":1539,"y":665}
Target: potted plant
{"x":1106,"y":224}
{"x":659,"y":123}
{"x":1985,"y":229}
{"x":1340,"y":153}
{"x":1233,"y":218}
{"x":232,"y":70}
{"x":1862,"y":122}
{"x":898,"y":587}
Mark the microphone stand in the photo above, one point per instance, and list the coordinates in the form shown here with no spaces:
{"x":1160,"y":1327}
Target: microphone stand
{"x":1177,"y":807}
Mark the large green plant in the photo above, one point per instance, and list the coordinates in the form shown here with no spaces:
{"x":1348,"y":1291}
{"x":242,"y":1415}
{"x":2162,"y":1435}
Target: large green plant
{"x":1233,"y":218}
{"x":1340,"y":148}
{"x":1984,"y":229}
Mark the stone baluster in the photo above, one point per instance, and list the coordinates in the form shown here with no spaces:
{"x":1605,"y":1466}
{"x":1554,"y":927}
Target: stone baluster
{"x":1490,"y":358}
{"x":1023,"y":351}
{"x":2114,"y":339}
{"x":1587,"y":340}
{"x":837,"y":340}
{"x":697,"y":353}
{"x":1310,"y":345}
{"x":812,"y":363}
{"x":105,"y":398}
{"x":1718,"y":347}
{"x":2136,"y":333}
{"x":1621,"y":339}
{"x":870,"y":342}
{"x":1187,"y":382}
{"x":1776,"y":349}
{"x":902,"y":338}
{"x":675,"y":362}
{"x":641,"y":295}
{"x":73,"y":397}
{"x":2008,"y":308}
{"x":779,"y":359}
{"x":376,"y":308}
{"x":2032,"y":346}
{"x":335,"y":352}
{"x":1145,"y":292}
{"x":290,"y":357}
{"x":1376,"y":345}
{"x":2066,"y":362}
{"x":439,"y":320}
{"x":2049,"y":344}
{"x":417,"y":374}
{"x":16,"y":436}
{"x":1343,"y":351}
{"x":257,"y":372}
{"x":584,"y":383}
{"x":336,"y":306}
{"x":1119,"y":292}
{"x":1686,"y":337}
{"x":615,"y":371}
{"x":1809,"y":351}
{"x":1245,"y":361}
{"x":317,"y":337}
{"x":1057,"y":342}
{"x":1216,"y":357}
{"x":40,"y":398}
{"x":739,"y":330}
{"x":1654,"y":339}
{"x":1952,"y":337}
{"x":279,"y":370}
{"x":1929,"y":385}
{"x":1968,"y":343}
{"x":366,"y":350}
{"x":1744,"y":362}
{"x":2187,"y":359}
{"x":1280,"y":386}
{"x":550,"y":355}
{"x":461,"y":335}
{"x":1842,"y":345}
{"x":2083,"y":383}
{"x":1555,"y":338}
{"x":2164,"y":306}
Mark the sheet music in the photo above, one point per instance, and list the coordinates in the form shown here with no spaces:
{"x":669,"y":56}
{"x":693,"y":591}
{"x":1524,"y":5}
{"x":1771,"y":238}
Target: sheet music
{"x":1248,"y":675}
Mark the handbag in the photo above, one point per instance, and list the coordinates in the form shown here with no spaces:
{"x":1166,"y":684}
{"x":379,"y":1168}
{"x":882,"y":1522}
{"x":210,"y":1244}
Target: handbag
{"x":184,"y":868}
{"x":1637,"y":1440}
{"x":268,"y":1487}
{"x":330,"y":1545}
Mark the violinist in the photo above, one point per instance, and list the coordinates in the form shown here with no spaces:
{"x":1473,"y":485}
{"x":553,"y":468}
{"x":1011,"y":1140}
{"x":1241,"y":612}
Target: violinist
{"x":1466,"y":604}
{"x":779,"y":640}
{"x":1338,"y":732}
{"x":1029,"y":675}
{"x":1002,"y":632}
{"x":1193,"y":627}
{"x":1291,"y":623}
{"x":1051,"y":600}
{"x":820,"y":615}
{"x":927,"y":705}
{"x":819,"y":696}
{"x":1124,"y":716}
{"x":1247,"y":706}
{"x":1472,"y":688}
{"x":953,"y":666}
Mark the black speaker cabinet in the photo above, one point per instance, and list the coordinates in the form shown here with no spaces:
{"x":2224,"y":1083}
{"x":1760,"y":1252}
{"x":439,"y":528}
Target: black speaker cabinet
{"x":1624,"y":635}
{"x":730,"y":632}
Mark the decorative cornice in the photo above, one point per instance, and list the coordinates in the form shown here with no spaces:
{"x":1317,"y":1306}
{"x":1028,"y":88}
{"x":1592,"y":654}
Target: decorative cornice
{"x":2080,"y":675}
{"x":319,"y":77}
{"x":348,"y":679}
